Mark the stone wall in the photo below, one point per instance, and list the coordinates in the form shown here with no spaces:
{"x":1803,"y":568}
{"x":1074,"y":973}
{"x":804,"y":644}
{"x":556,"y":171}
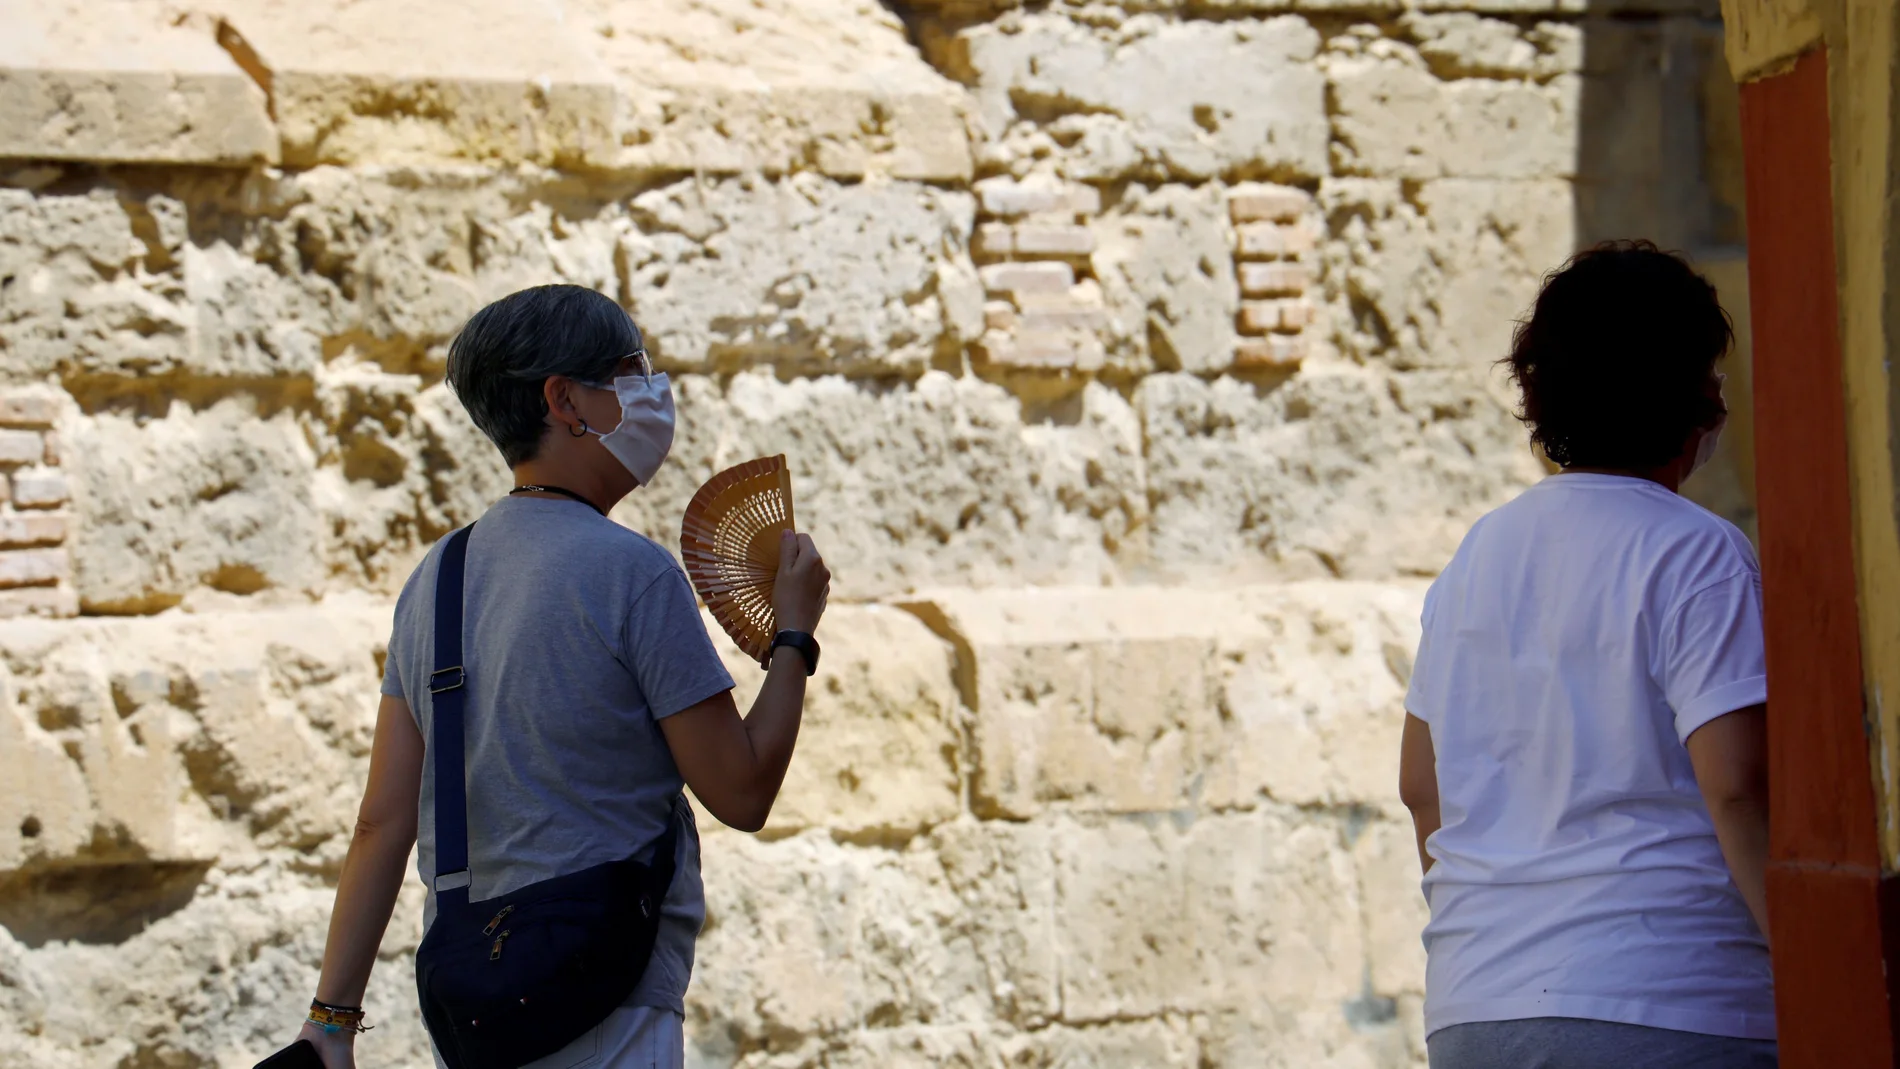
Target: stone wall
{"x":1135,"y":362}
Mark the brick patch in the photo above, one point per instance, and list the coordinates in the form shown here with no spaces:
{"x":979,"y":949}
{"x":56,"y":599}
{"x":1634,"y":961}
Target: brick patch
{"x":1273,"y":234}
{"x":35,"y":567}
{"x":1034,"y":241}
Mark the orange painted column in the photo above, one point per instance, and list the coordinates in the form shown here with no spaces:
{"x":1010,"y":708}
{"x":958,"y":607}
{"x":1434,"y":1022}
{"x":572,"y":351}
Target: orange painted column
{"x":1832,"y":938}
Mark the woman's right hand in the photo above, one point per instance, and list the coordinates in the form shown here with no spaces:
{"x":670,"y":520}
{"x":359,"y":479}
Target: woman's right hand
{"x":798,"y":595}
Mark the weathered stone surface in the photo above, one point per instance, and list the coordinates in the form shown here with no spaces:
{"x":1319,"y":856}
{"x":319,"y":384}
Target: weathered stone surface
{"x":966,"y":486}
{"x":494,"y":81}
{"x":1303,"y":480}
{"x":1143,"y":700}
{"x":1155,"y":98}
{"x":129,"y":87}
{"x":803,"y":274}
{"x":1393,"y":119}
{"x":878,"y":747}
{"x":1438,"y":276}
{"x":1167,"y":274}
{"x":215,"y":499}
{"x":730,"y":86}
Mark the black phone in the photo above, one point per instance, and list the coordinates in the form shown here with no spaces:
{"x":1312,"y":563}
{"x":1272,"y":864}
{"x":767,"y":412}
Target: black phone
{"x":299,"y":1055}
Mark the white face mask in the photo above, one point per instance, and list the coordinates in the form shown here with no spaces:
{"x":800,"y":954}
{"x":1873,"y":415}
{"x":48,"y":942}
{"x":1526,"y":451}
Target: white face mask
{"x":644,"y":434}
{"x":1705,"y":449}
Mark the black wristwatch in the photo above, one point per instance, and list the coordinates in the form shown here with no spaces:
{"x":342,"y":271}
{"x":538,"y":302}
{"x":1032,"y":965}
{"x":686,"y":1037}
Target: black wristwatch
{"x":801,"y":642}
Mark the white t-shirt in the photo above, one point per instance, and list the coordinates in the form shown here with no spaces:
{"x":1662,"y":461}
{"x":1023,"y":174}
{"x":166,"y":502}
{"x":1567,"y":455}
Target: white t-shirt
{"x":1578,"y":637}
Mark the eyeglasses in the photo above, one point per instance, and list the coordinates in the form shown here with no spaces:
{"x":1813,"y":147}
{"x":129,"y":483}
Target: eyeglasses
{"x":634,"y":363}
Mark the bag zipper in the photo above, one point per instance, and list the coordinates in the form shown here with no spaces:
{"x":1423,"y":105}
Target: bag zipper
{"x":494,"y":952}
{"x":496,"y":923}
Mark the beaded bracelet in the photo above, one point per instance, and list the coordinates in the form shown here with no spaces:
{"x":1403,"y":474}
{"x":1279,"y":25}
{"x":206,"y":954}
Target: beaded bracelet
{"x":333,"y":1019}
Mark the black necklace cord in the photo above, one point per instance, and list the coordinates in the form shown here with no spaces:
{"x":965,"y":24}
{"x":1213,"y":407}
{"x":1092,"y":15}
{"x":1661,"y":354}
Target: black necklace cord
{"x":537,"y":488}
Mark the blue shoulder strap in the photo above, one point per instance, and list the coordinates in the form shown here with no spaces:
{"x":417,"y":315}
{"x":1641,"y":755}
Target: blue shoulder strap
{"x":446,"y":694}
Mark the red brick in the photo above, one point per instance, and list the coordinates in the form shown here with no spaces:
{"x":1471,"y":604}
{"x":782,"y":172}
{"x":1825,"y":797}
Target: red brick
{"x":40,"y":488}
{"x":28,"y":408}
{"x":1258,"y":203}
{"x":1274,"y":280}
{"x":32,"y":528}
{"x":1281,"y":351}
{"x":32,"y":567}
{"x":38,"y":601}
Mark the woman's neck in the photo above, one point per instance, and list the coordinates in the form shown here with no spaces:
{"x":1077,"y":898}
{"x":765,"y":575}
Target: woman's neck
{"x":1669,"y":476}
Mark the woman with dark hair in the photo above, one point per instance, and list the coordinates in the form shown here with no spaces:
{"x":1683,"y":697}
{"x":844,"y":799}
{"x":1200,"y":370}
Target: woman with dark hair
{"x":590,"y":689}
{"x":1584,"y":754}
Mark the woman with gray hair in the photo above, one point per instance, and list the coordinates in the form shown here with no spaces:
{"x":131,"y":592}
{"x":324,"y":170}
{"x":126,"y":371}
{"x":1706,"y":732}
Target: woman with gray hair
{"x":592,"y":690}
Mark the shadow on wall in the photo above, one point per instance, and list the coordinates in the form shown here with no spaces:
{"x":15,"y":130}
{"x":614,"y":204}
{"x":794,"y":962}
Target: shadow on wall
{"x":1660,"y":156}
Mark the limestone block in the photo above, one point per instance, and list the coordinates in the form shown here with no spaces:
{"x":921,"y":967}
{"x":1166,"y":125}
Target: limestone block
{"x":1438,"y":277}
{"x":1097,"y":700}
{"x":1216,"y":912}
{"x":1386,"y":854}
{"x":1393,"y":119}
{"x":1004,"y":877}
{"x":177,"y":740}
{"x":1153,"y":97}
{"x":395,"y":81}
{"x":1168,"y":277}
{"x":963,"y":485}
{"x":1153,"y":699}
{"x":804,"y":274}
{"x":218,"y":498}
{"x":877,"y":753}
{"x":1464,"y":44}
{"x":809,"y":936}
{"x":728,"y":86}
{"x":1304,"y":480}
{"x":128,"y":87}
{"x":40,"y":488}
{"x":1311,"y":693}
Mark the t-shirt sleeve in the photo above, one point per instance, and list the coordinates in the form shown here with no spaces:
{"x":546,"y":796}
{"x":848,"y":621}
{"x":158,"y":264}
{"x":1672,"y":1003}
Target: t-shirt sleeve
{"x":1712,"y":660}
{"x":1417,"y":700}
{"x":666,"y":645}
{"x":392,"y":678}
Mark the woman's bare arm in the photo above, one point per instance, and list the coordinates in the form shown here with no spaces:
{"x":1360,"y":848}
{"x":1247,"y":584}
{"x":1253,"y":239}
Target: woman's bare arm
{"x":1418,"y":783}
{"x":372,"y":870}
{"x":735,"y":767}
{"x":1730,"y":757}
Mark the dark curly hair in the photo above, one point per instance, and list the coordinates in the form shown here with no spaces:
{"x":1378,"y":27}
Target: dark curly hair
{"x":1615,"y":363}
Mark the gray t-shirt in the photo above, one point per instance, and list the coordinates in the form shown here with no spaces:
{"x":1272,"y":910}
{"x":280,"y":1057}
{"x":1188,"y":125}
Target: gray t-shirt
{"x":579,"y":636}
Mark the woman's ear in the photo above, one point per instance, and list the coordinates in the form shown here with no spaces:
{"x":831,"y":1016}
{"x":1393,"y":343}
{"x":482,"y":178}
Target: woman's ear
{"x":558,"y":392}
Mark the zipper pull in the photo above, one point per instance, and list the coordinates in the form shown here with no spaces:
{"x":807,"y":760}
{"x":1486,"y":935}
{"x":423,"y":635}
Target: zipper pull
{"x":496,"y":923}
{"x":494,"y":952}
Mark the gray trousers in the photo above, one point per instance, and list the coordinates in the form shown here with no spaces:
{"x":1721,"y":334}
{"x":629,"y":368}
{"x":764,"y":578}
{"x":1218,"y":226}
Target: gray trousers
{"x":1571,"y":1043}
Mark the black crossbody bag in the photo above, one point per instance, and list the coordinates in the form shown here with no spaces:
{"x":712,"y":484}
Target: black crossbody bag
{"x":517,"y":977}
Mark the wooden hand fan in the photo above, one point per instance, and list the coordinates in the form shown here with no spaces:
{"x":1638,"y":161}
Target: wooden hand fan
{"x":729,"y":544}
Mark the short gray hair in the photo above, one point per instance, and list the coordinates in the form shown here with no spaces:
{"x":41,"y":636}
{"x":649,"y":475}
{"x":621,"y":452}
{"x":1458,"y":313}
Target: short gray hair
{"x":506,"y":351}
